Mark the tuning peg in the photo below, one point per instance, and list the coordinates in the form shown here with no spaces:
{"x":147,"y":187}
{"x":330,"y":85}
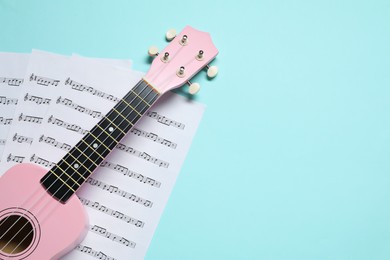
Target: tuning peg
{"x":212,"y":71}
{"x":153,"y":51}
{"x":171,"y":34}
{"x":194,"y":88}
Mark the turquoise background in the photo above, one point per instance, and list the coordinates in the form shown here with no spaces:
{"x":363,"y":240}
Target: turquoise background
{"x":291,"y":160}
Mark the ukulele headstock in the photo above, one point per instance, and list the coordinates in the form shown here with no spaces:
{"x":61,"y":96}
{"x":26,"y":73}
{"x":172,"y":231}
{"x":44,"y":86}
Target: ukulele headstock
{"x":186,"y":54}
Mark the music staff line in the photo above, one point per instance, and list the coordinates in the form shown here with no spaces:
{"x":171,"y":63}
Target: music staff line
{"x":164,"y":120}
{"x":44,"y":81}
{"x":69,"y":103}
{"x":142,"y":155}
{"x":15,"y":158}
{"x":12,"y":82}
{"x":126,"y":172}
{"x":37,"y":100}
{"x":111,"y":212}
{"x":30,"y":119}
{"x":8,"y":101}
{"x":116,"y":238}
{"x":153,"y":137}
{"x":22,"y":139}
{"x":51,"y":141}
{"x":5,"y":121}
{"x":97,"y":254}
{"x":68,"y":126}
{"x":115,"y":190}
{"x":41,"y":161}
{"x":84,"y":88}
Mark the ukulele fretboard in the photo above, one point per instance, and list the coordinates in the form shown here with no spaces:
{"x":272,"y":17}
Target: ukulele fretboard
{"x":72,"y":171}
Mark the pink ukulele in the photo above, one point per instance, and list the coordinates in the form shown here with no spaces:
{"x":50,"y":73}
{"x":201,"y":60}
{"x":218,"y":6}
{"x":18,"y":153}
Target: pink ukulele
{"x":39,"y":216}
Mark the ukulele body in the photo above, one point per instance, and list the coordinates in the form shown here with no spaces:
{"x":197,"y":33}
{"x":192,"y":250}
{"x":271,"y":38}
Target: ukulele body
{"x":47,"y":228}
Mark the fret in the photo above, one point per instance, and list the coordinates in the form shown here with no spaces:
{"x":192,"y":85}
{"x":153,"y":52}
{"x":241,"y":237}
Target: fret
{"x":107,"y":118}
{"x":121,"y":115}
{"x":70,"y":177}
{"x":140,"y":98}
{"x":131,"y":107}
{"x":75,"y":168}
{"x":55,"y":184}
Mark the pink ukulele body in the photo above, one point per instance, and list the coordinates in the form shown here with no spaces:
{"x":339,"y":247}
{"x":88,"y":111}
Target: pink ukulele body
{"x":58,"y":228}
{"x":40,"y":216}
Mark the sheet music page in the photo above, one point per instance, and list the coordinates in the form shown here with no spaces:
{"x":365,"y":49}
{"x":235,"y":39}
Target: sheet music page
{"x":126,"y":196}
{"x":42,"y":80}
{"x":12,"y":69}
{"x":41,"y":84}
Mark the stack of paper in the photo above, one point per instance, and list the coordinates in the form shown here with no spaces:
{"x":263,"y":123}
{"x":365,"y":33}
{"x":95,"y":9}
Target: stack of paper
{"x":49,"y":101}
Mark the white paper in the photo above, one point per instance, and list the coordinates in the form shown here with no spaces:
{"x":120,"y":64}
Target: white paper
{"x":132,"y":191}
{"x":42,"y":81}
{"x":12,"y":69}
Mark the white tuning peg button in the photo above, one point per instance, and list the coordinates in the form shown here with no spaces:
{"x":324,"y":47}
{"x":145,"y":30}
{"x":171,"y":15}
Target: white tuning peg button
{"x":170,"y":34}
{"x":212,"y":71}
{"x":153,"y":51}
{"x":194,"y":88}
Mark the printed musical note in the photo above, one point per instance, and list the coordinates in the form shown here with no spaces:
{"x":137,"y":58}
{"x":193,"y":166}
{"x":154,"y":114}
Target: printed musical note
{"x":22,"y":139}
{"x":13,"y":82}
{"x":37,"y":100}
{"x":44,"y":81}
{"x":116,"y":214}
{"x":71,"y":127}
{"x":83,"y":88}
{"x":41,"y":161}
{"x":153,"y":137}
{"x":119,"y":192}
{"x":97,"y":254}
{"x":51,"y":141}
{"x":15,"y":158}
{"x":8,"y":101}
{"x":126,"y":172}
{"x":5,"y":121}
{"x":116,"y":238}
{"x":30,"y":119}
{"x":69,"y":103}
{"x":164,"y":120}
{"x":142,"y":155}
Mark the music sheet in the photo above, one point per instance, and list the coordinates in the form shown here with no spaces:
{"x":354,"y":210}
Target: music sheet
{"x":33,"y":92}
{"x":12,"y":69}
{"x":126,"y":196}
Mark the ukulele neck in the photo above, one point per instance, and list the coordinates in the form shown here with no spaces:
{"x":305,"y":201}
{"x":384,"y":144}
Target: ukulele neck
{"x":64,"y":179}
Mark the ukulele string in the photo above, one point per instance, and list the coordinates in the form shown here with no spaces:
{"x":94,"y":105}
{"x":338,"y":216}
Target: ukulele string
{"x":80,"y":175}
{"x":129,"y":93}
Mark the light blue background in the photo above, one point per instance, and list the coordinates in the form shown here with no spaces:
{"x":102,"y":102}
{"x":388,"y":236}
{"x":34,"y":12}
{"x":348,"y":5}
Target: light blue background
{"x":291,"y":160}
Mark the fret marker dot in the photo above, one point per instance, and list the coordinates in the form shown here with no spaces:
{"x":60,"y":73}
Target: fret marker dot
{"x":95,"y":145}
{"x":76,"y":165}
{"x":110,"y":129}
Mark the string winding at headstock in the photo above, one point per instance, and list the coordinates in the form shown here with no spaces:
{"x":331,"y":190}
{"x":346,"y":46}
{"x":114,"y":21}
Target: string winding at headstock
{"x":187,"y":54}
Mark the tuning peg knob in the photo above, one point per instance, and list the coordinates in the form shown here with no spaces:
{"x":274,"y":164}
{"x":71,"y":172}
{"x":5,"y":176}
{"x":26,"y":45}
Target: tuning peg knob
{"x":171,"y":33}
{"x":194,"y":88}
{"x":153,"y":51}
{"x":212,"y":71}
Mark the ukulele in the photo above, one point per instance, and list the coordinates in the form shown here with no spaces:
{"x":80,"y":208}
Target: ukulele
{"x":40,"y":218}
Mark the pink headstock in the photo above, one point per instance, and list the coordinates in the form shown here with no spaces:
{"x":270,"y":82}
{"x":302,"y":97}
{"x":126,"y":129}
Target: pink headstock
{"x":191,"y":50}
